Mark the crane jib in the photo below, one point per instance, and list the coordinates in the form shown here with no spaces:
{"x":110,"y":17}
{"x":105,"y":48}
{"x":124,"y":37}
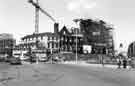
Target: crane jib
{"x":43,"y":11}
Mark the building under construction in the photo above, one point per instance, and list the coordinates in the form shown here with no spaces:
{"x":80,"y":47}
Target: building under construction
{"x":97,"y":34}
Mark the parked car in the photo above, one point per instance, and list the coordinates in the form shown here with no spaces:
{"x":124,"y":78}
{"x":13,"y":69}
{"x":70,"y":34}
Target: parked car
{"x":1,"y":59}
{"x":24,"y":58}
{"x":7,"y":59}
{"x":14,"y":61}
{"x":31,"y":59}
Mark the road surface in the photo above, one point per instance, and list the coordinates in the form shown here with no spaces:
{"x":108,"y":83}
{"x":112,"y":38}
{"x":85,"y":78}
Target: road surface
{"x":66,"y":75}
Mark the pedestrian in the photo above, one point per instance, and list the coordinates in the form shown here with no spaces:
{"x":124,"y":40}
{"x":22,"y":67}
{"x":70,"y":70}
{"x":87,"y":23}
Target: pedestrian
{"x":119,"y":63}
{"x":130,"y":62}
{"x":31,"y":59}
{"x":102,"y":60}
{"x":125,"y":63}
{"x":133,"y":63}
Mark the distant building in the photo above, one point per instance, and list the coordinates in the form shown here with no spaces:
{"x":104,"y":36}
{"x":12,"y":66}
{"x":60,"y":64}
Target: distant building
{"x":97,"y":34}
{"x":47,"y":41}
{"x":70,"y":39}
{"x":59,"y":41}
{"x":7,"y":43}
{"x":131,"y":50}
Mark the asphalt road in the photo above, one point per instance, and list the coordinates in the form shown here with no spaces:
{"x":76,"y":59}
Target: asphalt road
{"x":66,"y":75}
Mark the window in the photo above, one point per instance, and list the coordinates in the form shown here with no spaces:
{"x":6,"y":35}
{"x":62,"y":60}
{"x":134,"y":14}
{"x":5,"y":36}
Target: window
{"x":61,"y":38}
{"x":96,"y":33}
{"x":56,"y":45}
{"x":52,"y":38}
{"x":64,"y":33}
{"x":34,"y":38}
{"x":48,"y":45}
{"x":52,"y":45}
{"x":41,"y":37}
{"x":65,"y":39}
{"x":44,"y":37}
{"x":70,"y":40}
{"x":48,"y":38}
{"x":27,"y":40}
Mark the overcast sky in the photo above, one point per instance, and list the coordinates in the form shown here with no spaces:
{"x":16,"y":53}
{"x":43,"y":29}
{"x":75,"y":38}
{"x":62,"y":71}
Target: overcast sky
{"x":17,"y":16}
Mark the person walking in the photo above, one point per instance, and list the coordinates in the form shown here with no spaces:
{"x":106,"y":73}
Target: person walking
{"x":119,"y":63}
{"x":130,"y":62}
{"x":124,"y":63}
{"x":133,"y":63}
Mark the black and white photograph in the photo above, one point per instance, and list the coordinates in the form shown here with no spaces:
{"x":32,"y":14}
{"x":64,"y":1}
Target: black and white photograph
{"x":67,"y":42}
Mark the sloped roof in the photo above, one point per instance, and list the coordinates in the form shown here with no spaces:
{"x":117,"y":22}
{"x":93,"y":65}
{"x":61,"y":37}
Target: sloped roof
{"x":64,"y":29}
{"x":39,"y":34}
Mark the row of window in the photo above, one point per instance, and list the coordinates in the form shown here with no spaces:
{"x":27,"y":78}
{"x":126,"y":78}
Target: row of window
{"x":53,"y":45}
{"x":70,"y":48}
{"x":41,"y":38}
{"x":49,"y":45}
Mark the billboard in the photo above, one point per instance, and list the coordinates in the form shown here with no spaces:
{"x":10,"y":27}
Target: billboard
{"x":87,"y":48}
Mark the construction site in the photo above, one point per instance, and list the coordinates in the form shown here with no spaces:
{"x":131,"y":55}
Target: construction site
{"x":74,"y":40}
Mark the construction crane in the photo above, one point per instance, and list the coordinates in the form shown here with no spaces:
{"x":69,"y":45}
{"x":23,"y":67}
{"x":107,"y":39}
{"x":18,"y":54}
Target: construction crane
{"x":36,"y":5}
{"x":37,"y":9}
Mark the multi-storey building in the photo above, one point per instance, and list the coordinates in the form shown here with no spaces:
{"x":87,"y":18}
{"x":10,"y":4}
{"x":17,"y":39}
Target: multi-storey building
{"x":70,"y":41}
{"x":47,"y":41}
{"x":63,"y":41}
{"x":7,"y":43}
{"x":97,"y":34}
{"x":131,"y":49}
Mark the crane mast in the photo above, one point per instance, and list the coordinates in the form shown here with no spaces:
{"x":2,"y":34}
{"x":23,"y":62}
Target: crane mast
{"x":37,"y":9}
{"x":36,"y":18}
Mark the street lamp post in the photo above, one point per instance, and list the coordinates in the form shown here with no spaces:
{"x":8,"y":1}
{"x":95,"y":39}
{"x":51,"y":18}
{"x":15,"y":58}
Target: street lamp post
{"x":76,"y":47}
{"x":37,"y":27}
{"x":51,"y":56}
{"x":37,"y":42}
{"x":76,"y":21}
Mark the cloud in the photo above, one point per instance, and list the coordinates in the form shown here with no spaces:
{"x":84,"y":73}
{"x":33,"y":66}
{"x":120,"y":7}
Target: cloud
{"x":81,"y":5}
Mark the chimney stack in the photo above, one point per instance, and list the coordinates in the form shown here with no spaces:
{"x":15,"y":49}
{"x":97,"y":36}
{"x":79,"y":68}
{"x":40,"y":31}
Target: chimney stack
{"x":56,"y":28}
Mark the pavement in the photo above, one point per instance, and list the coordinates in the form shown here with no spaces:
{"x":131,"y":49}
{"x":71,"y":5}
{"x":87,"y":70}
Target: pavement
{"x":83,"y":63}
